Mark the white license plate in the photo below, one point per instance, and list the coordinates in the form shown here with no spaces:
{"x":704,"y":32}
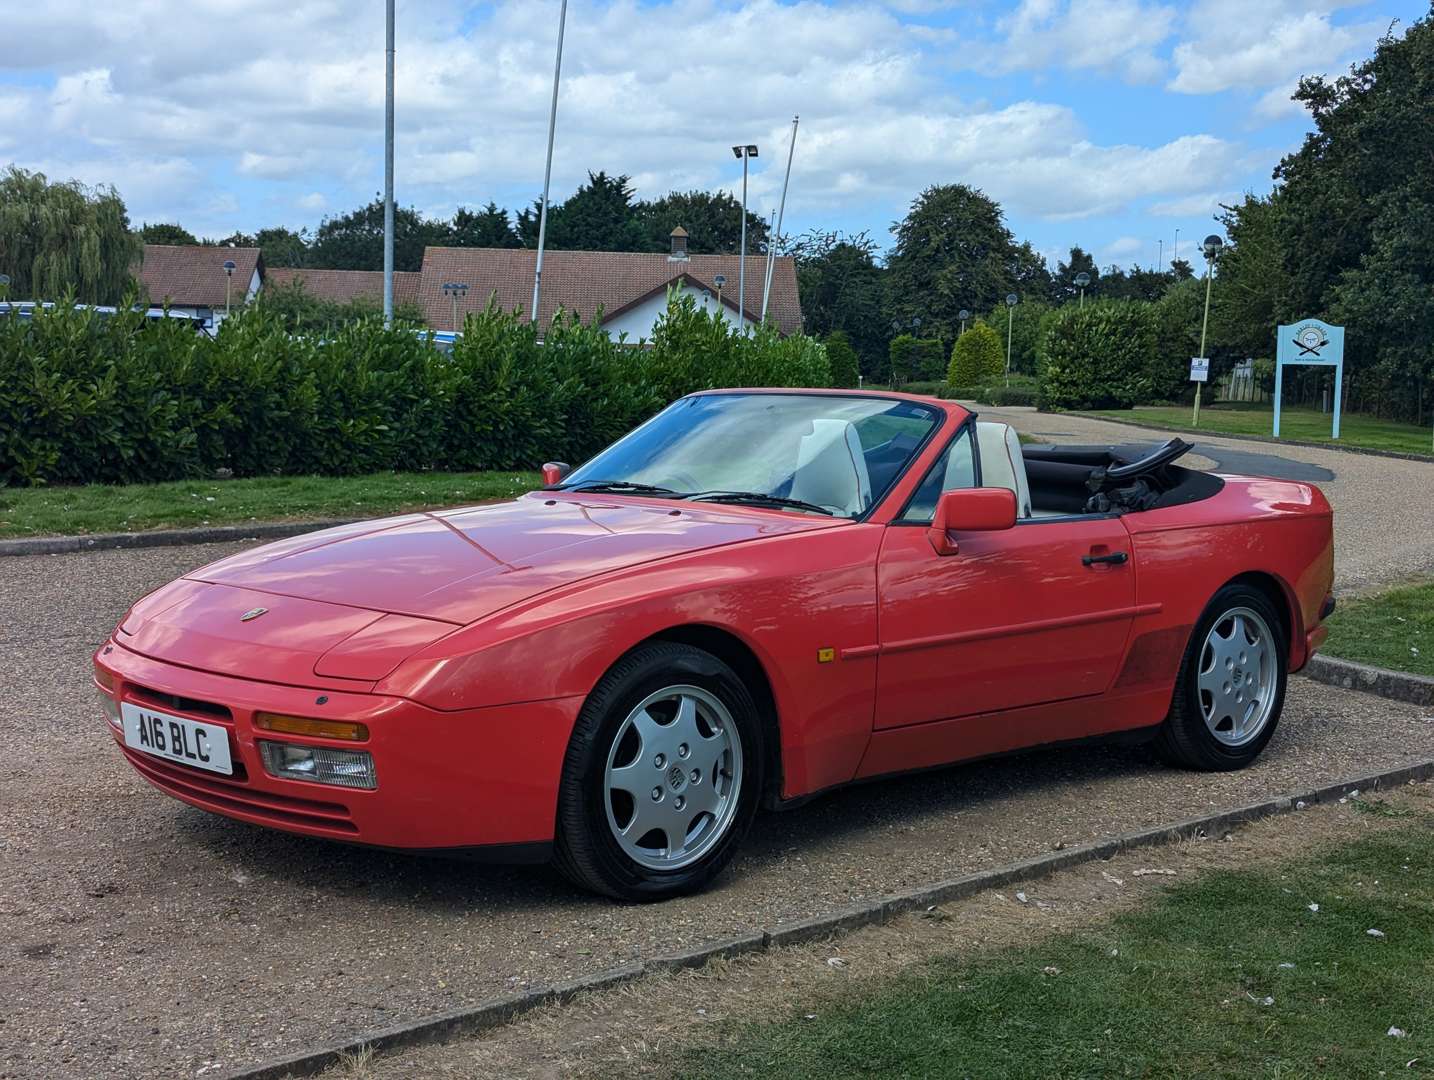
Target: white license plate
{"x":205,"y":746}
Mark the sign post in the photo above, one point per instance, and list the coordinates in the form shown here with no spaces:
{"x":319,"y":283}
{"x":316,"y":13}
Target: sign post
{"x":1199,"y":375}
{"x":1310,"y":341}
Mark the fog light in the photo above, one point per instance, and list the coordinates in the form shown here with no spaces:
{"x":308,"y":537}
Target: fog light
{"x":318,"y":764}
{"x":112,"y":710}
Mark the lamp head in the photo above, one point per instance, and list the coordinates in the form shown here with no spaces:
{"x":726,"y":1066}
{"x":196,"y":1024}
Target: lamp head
{"x":1212,"y":246}
{"x":1082,"y":279}
{"x":1011,"y":299}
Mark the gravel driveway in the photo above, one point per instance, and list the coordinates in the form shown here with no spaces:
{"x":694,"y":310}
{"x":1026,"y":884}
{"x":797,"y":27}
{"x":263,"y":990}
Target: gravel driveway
{"x":139,"y":937}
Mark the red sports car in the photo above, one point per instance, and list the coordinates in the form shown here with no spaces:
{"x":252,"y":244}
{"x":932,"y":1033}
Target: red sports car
{"x":755,"y":596}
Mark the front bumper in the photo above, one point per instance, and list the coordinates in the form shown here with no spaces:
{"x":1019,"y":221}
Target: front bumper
{"x":458,"y":781}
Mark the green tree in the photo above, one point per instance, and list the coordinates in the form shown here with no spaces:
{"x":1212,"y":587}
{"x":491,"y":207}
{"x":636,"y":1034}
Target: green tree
{"x":713,"y":220}
{"x":914,"y":358}
{"x":166,"y":234}
{"x":841,"y":288}
{"x":489,"y":227}
{"x":1063,"y":285}
{"x":1097,"y":356}
{"x":599,"y":216}
{"x":1027,"y":323}
{"x":978,"y":358}
{"x":952,"y":251}
{"x":1251,"y":285}
{"x":59,"y":239}
{"x":842,"y":357}
{"x":354,"y":241}
{"x":283,"y":247}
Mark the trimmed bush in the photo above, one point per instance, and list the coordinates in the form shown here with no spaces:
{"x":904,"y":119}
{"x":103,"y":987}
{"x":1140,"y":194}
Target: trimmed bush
{"x":845,"y":364}
{"x":87,"y":399}
{"x":1097,"y":357}
{"x":963,"y":393}
{"x":1008,"y":395}
{"x":914,"y":358}
{"x":977,"y":358}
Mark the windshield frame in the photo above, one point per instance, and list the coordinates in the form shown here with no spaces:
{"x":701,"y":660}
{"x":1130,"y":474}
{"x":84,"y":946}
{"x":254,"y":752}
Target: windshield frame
{"x":941,"y":416}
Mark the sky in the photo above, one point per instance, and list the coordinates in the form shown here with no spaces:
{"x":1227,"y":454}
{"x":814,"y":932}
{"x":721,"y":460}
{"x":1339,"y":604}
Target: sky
{"x":1106,"y":123}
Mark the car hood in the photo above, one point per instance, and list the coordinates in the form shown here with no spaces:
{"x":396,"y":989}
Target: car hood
{"x":458,"y":566}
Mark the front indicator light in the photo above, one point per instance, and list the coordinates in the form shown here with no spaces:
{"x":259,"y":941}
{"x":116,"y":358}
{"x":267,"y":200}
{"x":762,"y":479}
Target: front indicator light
{"x":303,"y":725}
{"x":111,"y":710}
{"x":318,"y":764}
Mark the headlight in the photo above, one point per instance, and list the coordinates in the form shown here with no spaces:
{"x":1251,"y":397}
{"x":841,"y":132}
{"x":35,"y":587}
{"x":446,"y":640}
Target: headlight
{"x":318,"y":764}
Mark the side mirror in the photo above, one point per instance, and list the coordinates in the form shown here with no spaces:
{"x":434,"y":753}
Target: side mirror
{"x":970,"y":510}
{"x":554,"y":471}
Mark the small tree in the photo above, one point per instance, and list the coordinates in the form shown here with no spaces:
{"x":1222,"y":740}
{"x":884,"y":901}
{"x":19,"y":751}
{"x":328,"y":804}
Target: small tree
{"x":914,"y":358}
{"x":843,"y":359}
{"x":977,"y":358}
{"x":1098,"y":356}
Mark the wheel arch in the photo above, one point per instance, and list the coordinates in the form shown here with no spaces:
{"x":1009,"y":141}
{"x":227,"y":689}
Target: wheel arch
{"x":1282,"y":599}
{"x":739,"y":656}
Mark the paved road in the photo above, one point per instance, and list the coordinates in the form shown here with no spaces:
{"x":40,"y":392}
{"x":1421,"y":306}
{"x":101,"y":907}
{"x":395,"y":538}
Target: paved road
{"x":139,"y":937}
{"x":1383,"y":507}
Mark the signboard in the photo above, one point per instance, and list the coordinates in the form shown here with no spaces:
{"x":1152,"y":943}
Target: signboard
{"x":1310,"y":341}
{"x":1199,"y":369}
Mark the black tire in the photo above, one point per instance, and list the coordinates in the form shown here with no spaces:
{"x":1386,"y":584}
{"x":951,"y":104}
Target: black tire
{"x":1184,"y":738}
{"x":586,"y":850}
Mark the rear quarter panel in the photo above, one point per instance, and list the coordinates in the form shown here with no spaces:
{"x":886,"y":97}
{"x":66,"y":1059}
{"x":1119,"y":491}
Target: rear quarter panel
{"x":1184,"y":554}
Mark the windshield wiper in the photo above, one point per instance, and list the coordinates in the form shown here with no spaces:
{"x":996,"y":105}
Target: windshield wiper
{"x":617,"y":487}
{"x":757,"y":498}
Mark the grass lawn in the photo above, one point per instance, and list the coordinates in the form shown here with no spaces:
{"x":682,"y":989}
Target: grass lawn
{"x":48,"y":511}
{"x":1302,"y":424}
{"x":1393,"y":629}
{"x":1229,"y":975}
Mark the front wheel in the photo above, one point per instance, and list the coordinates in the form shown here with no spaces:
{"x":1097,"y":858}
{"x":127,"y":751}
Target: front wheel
{"x":662,"y":775}
{"x":1231,"y":686}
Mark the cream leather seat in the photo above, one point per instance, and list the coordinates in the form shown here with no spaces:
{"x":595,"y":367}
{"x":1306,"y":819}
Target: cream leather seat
{"x":1002,"y":464}
{"x":831,"y":469}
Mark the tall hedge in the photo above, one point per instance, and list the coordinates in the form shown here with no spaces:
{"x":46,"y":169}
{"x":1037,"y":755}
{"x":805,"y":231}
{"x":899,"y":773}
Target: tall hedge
{"x":86,"y":399}
{"x":845,"y":364}
{"x":977,"y":358}
{"x":1098,"y":357}
{"x":914,"y":358}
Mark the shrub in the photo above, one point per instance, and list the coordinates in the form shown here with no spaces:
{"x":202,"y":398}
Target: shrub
{"x":914,"y":358}
{"x":1098,"y":357}
{"x":935,"y":388}
{"x":963,"y":393}
{"x":1008,"y":395}
{"x":976,"y":358}
{"x":845,"y":365}
{"x":119,"y":400}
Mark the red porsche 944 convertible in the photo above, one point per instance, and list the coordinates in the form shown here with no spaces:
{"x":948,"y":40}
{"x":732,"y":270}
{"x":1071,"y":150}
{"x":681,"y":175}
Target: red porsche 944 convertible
{"x":755,"y":596}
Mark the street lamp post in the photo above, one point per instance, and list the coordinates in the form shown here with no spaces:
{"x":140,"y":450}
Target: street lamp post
{"x":228,"y":284}
{"x":1211,"y":247}
{"x":963,"y":315}
{"x":1082,"y":280}
{"x":746,"y":153}
{"x":388,"y":165}
{"x":453,"y":290}
{"x":1176,"y":257}
{"x":1011,"y":299}
{"x":719,"y":281}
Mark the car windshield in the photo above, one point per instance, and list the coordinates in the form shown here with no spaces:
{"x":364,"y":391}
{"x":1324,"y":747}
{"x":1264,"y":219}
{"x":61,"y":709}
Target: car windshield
{"x":819,"y":453}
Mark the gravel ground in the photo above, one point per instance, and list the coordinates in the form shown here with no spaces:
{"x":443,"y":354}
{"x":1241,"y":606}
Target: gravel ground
{"x":144,"y":938}
{"x":1383,"y":512}
{"x":116,"y":903}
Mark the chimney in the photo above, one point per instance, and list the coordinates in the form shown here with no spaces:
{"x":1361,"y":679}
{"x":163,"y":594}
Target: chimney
{"x":679,"y":245}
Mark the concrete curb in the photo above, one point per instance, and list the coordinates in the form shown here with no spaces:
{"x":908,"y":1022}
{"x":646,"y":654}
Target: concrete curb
{"x":1186,"y":432}
{"x":218,"y":534}
{"x":499,"y":1011}
{"x":1398,"y":685}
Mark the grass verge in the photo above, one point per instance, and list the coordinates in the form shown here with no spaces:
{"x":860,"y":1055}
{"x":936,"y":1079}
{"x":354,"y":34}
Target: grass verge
{"x":1393,"y":629}
{"x":92,"y":508}
{"x":1300,"y":424}
{"x":1252,"y":973}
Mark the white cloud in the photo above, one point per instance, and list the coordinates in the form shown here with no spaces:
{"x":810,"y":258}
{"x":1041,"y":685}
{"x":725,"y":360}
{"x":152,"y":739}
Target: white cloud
{"x":1237,"y":44}
{"x":1117,"y":37}
{"x":259,"y":105}
{"x":1202,"y":204}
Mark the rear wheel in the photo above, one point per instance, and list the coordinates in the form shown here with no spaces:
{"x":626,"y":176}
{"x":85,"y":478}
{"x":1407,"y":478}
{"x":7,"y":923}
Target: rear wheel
{"x":1231,"y":686}
{"x":662,"y":775}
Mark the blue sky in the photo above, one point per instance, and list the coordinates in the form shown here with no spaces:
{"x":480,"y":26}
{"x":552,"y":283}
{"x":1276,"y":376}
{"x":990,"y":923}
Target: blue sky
{"x":1107,"y":123}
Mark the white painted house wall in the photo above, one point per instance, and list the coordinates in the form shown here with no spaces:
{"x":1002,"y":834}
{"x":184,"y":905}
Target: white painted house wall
{"x":637,"y":322}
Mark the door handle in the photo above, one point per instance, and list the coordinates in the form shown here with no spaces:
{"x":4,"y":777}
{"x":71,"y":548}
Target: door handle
{"x":1115,"y":558}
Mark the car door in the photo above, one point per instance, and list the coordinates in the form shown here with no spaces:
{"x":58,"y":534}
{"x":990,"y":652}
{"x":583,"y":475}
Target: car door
{"x":1016,"y":618}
